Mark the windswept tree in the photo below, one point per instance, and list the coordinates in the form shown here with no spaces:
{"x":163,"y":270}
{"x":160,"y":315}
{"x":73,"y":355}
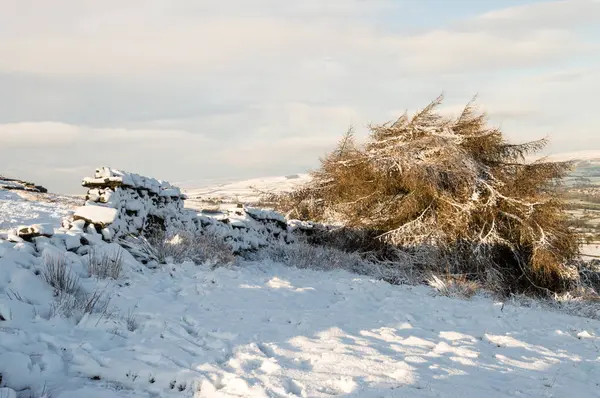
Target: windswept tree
{"x":451,"y":188}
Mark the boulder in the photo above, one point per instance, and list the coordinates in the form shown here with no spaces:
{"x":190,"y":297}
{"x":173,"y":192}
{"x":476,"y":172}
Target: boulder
{"x":97,"y":215}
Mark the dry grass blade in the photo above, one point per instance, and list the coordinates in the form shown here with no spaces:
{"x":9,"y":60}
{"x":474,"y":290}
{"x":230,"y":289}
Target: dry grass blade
{"x":57,"y":275}
{"x":104,"y":264}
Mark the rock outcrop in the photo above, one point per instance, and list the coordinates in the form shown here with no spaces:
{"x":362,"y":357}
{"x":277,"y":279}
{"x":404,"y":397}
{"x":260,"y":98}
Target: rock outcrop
{"x":12,"y":184}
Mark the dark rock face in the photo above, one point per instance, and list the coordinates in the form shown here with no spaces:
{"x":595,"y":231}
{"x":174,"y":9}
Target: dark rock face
{"x":19,"y":185}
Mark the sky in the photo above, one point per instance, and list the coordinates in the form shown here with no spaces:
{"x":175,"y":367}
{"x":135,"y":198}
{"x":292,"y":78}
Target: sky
{"x":191,"y":91}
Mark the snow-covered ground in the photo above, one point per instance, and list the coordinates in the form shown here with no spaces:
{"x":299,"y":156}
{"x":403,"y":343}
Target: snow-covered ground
{"x":262,"y":329}
{"x":18,"y":208}
{"x":589,"y":155}
{"x":266,"y":330}
{"x":592,"y":250}
{"x":247,"y":191}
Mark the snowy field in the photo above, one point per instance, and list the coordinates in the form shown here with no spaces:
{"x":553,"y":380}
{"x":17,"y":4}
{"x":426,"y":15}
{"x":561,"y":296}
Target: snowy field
{"x":265,"y":330}
{"x":248,"y":191}
{"x":262,"y":329}
{"x":18,"y":208}
{"x":592,"y":250}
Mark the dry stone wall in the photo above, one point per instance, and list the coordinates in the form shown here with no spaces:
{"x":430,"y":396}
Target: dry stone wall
{"x":119,"y":205}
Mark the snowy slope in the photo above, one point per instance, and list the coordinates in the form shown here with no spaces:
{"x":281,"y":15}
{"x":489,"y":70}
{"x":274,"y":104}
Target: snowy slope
{"x":262,"y":329}
{"x":590,"y":155}
{"x":591,"y":250}
{"x":22,"y":208}
{"x":266,"y":330}
{"x":248,"y":191}
{"x":587,"y":166}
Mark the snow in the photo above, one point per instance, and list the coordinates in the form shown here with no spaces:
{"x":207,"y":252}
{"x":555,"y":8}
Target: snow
{"x":7,"y":393}
{"x":264,"y":329}
{"x":247,"y":191}
{"x":106,"y":175}
{"x":579,"y":155}
{"x":592,"y":250}
{"x":96,"y":214}
{"x":16,"y":210}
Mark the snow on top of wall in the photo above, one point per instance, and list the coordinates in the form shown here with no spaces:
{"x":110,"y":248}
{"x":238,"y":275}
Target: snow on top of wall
{"x":99,"y":215}
{"x":107,"y":176}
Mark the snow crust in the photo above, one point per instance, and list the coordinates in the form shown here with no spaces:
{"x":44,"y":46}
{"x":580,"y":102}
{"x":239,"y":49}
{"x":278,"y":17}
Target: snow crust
{"x":264,"y":330}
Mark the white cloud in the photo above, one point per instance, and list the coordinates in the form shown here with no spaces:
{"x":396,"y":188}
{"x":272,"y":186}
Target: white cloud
{"x":59,"y":154}
{"x":554,"y":14}
{"x":138,"y":39}
{"x":28,"y":134}
{"x":244,"y":88}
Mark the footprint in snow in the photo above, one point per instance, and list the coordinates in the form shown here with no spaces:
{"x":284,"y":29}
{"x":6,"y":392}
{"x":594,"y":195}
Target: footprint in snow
{"x":294,"y":388}
{"x":266,"y":350}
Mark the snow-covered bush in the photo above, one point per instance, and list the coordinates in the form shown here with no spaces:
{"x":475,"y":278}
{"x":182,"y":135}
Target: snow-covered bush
{"x":70,"y":298}
{"x":452,"y":192}
{"x":77,"y":305}
{"x":589,"y":276}
{"x":307,"y":256}
{"x":131,"y":321}
{"x":323,"y":258}
{"x":179,"y":246}
{"x":104,"y":264}
{"x":454,"y":286}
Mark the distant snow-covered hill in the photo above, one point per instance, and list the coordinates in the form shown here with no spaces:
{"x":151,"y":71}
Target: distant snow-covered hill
{"x":247,"y":191}
{"x":592,"y":156}
{"x":587,"y":166}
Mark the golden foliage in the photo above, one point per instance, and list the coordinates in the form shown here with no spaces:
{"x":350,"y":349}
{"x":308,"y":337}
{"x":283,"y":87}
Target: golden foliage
{"x":453,"y":184}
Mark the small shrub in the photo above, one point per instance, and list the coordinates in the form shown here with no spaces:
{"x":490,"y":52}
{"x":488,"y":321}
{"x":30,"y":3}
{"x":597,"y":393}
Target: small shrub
{"x":70,"y":299}
{"x":215,"y":250}
{"x":450,"y":286}
{"x":589,"y":277}
{"x":322,"y":258}
{"x":57,"y":275}
{"x":103,"y":264}
{"x":179,"y":246}
{"x":84,"y":303}
{"x":131,"y":321}
{"x":95,"y":303}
